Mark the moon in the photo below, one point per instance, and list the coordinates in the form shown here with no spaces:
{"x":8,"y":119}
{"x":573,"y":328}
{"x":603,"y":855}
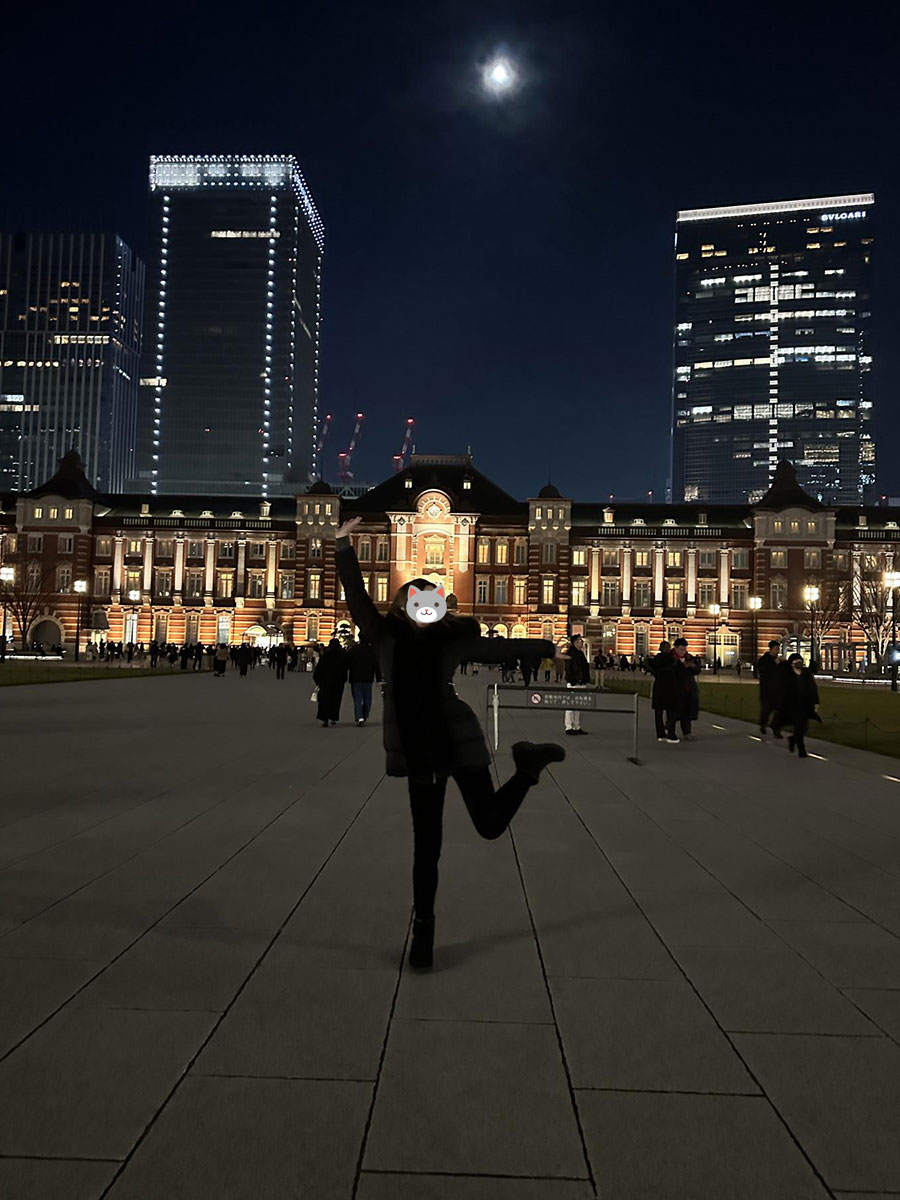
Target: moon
{"x":499,"y":76}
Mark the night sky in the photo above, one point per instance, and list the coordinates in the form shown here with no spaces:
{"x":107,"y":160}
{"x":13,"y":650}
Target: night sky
{"x":501,"y":271}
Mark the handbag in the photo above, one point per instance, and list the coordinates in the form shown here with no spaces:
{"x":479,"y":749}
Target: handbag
{"x":315,"y":695}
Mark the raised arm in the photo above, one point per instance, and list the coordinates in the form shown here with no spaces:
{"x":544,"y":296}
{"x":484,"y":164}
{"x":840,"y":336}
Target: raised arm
{"x":362,"y":607}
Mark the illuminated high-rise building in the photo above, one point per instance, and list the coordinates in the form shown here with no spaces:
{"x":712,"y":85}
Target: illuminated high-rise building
{"x":772,"y":354}
{"x":70,"y":336}
{"x":229,"y":381}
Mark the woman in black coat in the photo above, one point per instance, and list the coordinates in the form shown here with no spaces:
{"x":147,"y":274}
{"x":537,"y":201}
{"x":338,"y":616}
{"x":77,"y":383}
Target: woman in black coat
{"x":430,"y":734}
{"x":330,"y":676}
{"x":799,"y":699}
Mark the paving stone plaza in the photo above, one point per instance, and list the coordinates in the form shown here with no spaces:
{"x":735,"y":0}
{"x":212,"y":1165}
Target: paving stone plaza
{"x":673,"y":980}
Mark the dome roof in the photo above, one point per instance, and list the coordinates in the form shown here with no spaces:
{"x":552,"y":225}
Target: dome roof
{"x":549,"y":492}
{"x":320,"y":488}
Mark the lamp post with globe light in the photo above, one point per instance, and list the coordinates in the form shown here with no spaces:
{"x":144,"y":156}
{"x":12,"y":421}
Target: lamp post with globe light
{"x":755,"y":603}
{"x":892,"y":581}
{"x":811,"y":596}
{"x":7,"y":576}
{"x":134,"y":596}
{"x":714,"y":610}
{"x":80,"y":587}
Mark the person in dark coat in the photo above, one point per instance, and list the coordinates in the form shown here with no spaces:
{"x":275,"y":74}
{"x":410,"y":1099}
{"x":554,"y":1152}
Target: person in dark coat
{"x":280,"y":654}
{"x":363,"y":673}
{"x":689,"y":698}
{"x":578,"y":675}
{"x":430,"y":734}
{"x":244,"y":657}
{"x":666,"y":693}
{"x":799,"y":701}
{"x":220,"y":659}
{"x":330,"y":676}
{"x":154,"y":653}
{"x":771,"y":678}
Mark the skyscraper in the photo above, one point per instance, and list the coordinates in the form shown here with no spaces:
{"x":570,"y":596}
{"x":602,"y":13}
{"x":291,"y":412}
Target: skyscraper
{"x":70,"y":335}
{"x":772,"y":354}
{"x":230,"y":370}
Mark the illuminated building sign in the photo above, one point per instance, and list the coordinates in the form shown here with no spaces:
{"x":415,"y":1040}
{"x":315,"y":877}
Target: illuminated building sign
{"x":843,"y":216}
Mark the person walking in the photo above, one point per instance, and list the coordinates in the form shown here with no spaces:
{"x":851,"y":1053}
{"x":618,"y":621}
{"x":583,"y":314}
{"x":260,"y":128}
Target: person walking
{"x":689,"y":692}
{"x":799,"y":701}
{"x":771,"y":678}
{"x":220,"y":659}
{"x":578,"y":675}
{"x":559,"y":665}
{"x":198,"y":657}
{"x":244,"y":657}
{"x":430,"y":734}
{"x":280,"y":654}
{"x":330,"y":676}
{"x":547,"y":667}
{"x":665,"y":694}
{"x":154,"y":653}
{"x":185,"y":655}
{"x":363,"y":673}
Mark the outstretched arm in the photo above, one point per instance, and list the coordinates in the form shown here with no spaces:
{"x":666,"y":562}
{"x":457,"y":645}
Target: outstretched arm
{"x":495,"y":650}
{"x":362,"y":607}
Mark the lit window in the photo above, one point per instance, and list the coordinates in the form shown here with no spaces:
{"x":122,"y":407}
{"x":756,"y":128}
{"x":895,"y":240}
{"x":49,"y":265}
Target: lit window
{"x":38,"y":512}
{"x":579,"y":556}
{"x":642,"y":558}
{"x":547,"y":590}
{"x":674,"y":558}
{"x":579,"y":593}
{"x":778,"y":559}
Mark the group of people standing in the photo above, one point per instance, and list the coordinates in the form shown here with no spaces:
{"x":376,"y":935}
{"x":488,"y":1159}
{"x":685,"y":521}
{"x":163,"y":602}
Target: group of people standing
{"x":675,"y":696}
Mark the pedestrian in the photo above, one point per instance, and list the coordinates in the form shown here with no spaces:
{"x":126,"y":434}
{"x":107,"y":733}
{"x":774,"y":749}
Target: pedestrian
{"x":280,"y":655}
{"x":154,"y":652}
{"x":244,"y":657}
{"x":547,"y":667}
{"x":220,"y":659}
{"x":665,"y":695}
{"x":198,"y":657}
{"x":771,"y":679}
{"x":578,"y":675}
{"x":330,"y":676}
{"x":363,"y":673}
{"x":430,"y":734}
{"x":689,"y":692}
{"x":799,"y":701}
{"x":185,"y":655}
{"x":737,"y":668}
{"x":559,"y":665}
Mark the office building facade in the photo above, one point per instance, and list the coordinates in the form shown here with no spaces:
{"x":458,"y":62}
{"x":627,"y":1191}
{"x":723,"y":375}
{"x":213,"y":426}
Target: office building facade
{"x":71,"y":309}
{"x":229,"y":383}
{"x":772,"y":354}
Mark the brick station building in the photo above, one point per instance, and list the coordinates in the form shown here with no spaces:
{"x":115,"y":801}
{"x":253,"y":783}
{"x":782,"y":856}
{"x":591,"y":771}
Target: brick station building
{"x":625,"y":575}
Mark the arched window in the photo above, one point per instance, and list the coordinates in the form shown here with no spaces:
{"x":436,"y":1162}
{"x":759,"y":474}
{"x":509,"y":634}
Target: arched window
{"x":519,"y":631}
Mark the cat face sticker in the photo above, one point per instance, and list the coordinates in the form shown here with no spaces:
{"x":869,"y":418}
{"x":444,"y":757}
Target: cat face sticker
{"x":425,"y":605}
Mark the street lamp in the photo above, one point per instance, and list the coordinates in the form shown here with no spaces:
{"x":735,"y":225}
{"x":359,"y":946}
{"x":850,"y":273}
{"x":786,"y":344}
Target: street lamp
{"x":7,"y":575}
{"x":811,"y":595}
{"x":714,"y":610}
{"x":134,"y":596}
{"x":755,"y":603}
{"x":892,"y":581}
{"x":80,"y":586}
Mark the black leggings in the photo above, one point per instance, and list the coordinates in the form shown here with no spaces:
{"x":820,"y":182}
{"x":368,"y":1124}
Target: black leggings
{"x":491,"y":812}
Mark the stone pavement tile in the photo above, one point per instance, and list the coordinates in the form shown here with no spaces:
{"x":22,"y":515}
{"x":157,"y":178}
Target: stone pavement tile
{"x":292,"y":1020}
{"x":778,"y":895}
{"x":486,"y":968}
{"x":643,"y":1035}
{"x":368,"y":933}
{"x":768,"y":990}
{"x":866,"y":1195}
{"x":178,"y":969}
{"x":87,"y":1083}
{"x":387,"y":1186}
{"x":58,"y":934}
{"x":604,"y":947}
{"x":33,"y":988}
{"x":840,"y":1097}
{"x":251,"y":1139}
{"x":689,"y":918}
{"x":474,"y":1098}
{"x":849,"y":954}
{"x":677,"y":1147}
{"x":54,"y":1179}
{"x":881,"y":1004}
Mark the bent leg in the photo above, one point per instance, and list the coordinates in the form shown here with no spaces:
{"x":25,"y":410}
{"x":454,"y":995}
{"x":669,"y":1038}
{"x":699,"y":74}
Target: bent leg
{"x":426,"y":802}
{"x":491,"y":810}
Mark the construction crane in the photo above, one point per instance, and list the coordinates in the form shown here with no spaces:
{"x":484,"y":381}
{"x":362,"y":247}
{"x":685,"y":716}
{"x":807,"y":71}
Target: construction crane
{"x":344,"y":472}
{"x":323,"y":433}
{"x":407,"y":439}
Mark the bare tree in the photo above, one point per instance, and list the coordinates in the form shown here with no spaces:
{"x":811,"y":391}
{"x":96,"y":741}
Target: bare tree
{"x":831,"y":607}
{"x":873,"y":613}
{"x":31,"y":590}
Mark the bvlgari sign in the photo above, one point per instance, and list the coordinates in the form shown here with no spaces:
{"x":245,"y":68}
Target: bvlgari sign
{"x":855,"y":215}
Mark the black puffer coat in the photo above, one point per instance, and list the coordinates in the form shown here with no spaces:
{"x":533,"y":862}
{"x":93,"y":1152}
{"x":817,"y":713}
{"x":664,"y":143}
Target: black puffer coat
{"x":667,"y":679}
{"x":429,"y":732}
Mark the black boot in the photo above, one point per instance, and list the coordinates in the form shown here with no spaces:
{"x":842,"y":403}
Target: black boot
{"x":420,"y":952}
{"x":531,"y":758}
